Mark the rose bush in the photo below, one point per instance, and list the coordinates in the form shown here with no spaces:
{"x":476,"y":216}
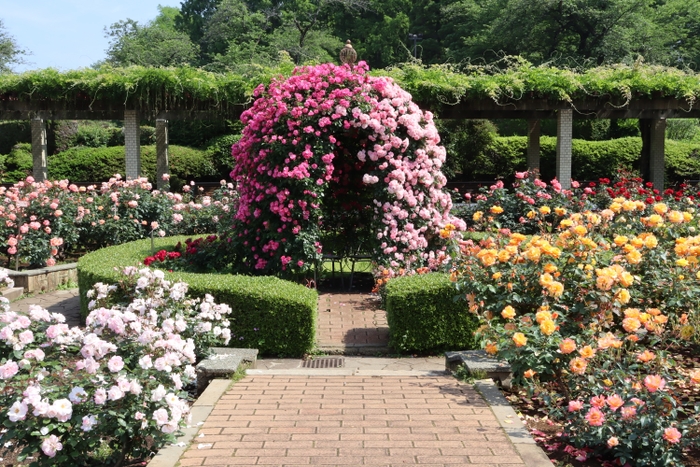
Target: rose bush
{"x":111,"y":391}
{"x":333,"y":152}
{"x":42,"y":222}
{"x":593,"y":293}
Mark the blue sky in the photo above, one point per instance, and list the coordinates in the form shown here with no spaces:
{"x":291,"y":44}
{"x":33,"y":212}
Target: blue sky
{"x":69,"y":34}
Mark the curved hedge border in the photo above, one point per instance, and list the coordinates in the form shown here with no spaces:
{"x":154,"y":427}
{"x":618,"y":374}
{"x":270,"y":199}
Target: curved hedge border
{"x":284,"y":313}
{"x":423,"y":314}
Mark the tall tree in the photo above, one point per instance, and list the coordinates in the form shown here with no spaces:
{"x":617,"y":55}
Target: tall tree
{"x":157,"y":43}
{"x":10,"y":53}
{"x":194,"y":14}
{"x":378,"y":32}
{"x":600,"y":31}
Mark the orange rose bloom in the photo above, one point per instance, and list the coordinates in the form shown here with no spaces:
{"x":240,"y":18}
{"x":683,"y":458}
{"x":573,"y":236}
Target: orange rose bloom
{"x":587,"y":352}
{"x":542,"y":315}
{"x":496,"y":209}
{"x":508,"y":312}
{"x":548,"y":327}
{"x":519,"y":339}
{"x":646,"y":356}
{"x":578,"y":365}
{"x":529,"y":373}
{"x":491,"y":348}
{"x":631,"y":324}
{"x":695,"y":377}
{"x":567,"y":346}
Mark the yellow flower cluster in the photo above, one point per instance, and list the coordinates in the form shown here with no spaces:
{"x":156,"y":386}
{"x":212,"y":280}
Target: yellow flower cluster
{"x":546,"y":320}
{"x":652,"y":320}
{"x":554,"y":288}
{"x":446,"y":232}
{"x":615,"y":274}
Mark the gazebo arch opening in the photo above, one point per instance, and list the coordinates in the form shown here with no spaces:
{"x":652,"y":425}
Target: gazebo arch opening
{"x":333,"y":154}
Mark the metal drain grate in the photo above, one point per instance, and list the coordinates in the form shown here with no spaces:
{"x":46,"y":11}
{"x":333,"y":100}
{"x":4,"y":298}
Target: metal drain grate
{"x":324,"y":362}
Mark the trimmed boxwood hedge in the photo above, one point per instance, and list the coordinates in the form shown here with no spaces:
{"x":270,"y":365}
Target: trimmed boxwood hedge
{"x":423,"y":315}
{"x":275,"y":316}
{"x":591,"y":160}
{"x":82,"y":164}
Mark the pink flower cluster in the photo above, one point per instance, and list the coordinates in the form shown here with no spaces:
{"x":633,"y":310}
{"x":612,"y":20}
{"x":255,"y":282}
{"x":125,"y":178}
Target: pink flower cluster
{"x":307,"y":135}
{"x":130,"y":362}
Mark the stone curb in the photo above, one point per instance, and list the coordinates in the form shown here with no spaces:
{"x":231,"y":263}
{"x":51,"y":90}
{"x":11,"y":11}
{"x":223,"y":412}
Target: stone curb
{"x":531,"y":453}
{"x":169,"y":456}
{"x":345,"y":372}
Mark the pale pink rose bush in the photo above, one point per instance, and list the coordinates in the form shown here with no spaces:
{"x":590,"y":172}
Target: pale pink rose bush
{"x":41,"y":222}
{"x":332,"y":141}
{"x":118,"y":383}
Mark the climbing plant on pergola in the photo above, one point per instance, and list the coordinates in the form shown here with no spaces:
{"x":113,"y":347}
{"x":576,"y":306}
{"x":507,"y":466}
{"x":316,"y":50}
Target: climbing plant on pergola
{"x":332,"y":153}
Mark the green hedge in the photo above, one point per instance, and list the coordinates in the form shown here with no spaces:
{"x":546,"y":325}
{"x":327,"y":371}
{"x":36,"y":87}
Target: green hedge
{"x":18,"y":164}
{"x":591,"y":159}
{"x":424,"y":316}
{"x":284,"y":313}
{"x":99,"y":164}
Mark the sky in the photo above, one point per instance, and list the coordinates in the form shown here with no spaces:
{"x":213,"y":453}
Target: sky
{"x":69,"y":34}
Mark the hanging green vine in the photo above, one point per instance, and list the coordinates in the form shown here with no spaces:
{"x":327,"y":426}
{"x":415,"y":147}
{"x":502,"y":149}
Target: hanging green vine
{"x":155,"y":89}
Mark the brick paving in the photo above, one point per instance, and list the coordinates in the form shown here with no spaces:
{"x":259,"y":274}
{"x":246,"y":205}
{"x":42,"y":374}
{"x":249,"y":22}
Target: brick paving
{"x":351,"y":420}
{"x":351,"y":323}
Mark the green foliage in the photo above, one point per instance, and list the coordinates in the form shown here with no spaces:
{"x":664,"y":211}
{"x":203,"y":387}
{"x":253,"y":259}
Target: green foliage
{"x":465,"y":141}
{"x":423,"y":314}
{"x":157,"y":43}
{"x":17,"y":164}
{"x":275,"y":316}
{"x":13,"y":132}
{"x":99,"y":164}
{"x":219,"y":149}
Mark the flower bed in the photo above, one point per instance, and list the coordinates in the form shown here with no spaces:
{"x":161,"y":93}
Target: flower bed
{"x":602,"y":283}
{"x":114,"y":390}
{"x":277,"y":317}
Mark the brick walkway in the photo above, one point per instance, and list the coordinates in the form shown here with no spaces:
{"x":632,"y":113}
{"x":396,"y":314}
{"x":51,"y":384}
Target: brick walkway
{"x":351,"y":323}
{"x":351,"y":420}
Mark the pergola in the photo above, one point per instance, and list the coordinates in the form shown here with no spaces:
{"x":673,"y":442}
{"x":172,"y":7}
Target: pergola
{"x":39,"y":112}
{"x":40,"y":107}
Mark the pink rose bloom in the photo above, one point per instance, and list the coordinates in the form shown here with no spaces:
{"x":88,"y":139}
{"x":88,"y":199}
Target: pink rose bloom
{"x":575,"y":406}
{"x":628,"y":412}
{"x":672,"y":435}
{"x":115,"y":393}
{"x":100,"y":396}
{"x":160,"y":416}
{"x":115,"y":364}
{"x":598,"y":402}
{"x":615,"y":402}
{"x":51,"y":445}
{"x":654,"y":383}
{"x":613,"y":441}
{"x":595,"y":417}
{"x":520,"y":175}
{"x":8,"y":370}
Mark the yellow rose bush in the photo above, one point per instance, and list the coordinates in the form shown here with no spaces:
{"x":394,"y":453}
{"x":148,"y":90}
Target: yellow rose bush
{"x":595,"y":292}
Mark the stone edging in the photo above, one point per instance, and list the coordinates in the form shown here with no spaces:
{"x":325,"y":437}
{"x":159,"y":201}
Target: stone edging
{"x":531,"y":453}
{"x":169,"y":456}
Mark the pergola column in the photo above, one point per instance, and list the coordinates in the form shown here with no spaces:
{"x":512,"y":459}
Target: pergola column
{"x":565,"y":131}
{"x":657,"y":152}
{"x":40,"y":170}
{"x":162,"y":164}
{"x":132,"y":144}
{"x":533,"y":145}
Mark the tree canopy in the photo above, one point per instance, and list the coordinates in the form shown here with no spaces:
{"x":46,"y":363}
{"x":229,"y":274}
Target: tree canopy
{"x":224,"y":35}
{"x":10,"y":52}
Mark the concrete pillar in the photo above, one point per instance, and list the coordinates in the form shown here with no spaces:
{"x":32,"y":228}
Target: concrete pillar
{"x":565,"y":131}
{"x":533,"y":145}
{"x":162,"y":164}
{"x":132,"y":144}
{"x":39,"y":153}
{"x":657,"y":152}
